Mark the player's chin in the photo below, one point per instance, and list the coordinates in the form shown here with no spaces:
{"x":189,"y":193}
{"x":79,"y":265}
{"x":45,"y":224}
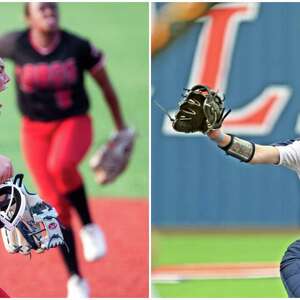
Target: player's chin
{"x":50,"y":28}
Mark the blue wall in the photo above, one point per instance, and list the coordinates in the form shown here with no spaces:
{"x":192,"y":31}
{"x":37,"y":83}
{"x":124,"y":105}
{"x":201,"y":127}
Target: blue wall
{"x":193,"y":182}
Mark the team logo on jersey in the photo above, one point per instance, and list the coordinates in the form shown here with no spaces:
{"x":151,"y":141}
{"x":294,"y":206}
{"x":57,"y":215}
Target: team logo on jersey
{"x":43,"y":76}
{"x":52,"y":226}
{"x":211,"y":65}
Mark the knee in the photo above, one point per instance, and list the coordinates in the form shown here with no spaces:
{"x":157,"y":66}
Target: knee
{"x":65,"y":176}
{"x":292,"y":253}
{"x":60,"y":170}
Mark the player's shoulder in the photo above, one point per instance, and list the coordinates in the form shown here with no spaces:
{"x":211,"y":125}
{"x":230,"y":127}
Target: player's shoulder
{"x":74,"y":37}
{"x":13,"y":35}
{"x":10,"y":43}
{"x":288,"y":142}
{"x":290,"y":151}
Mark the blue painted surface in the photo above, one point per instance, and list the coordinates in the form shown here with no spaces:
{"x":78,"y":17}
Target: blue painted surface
{"x":193,"y":182}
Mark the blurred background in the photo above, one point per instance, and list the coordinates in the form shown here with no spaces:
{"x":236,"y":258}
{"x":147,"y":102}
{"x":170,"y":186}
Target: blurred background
{"x":121,"y":31}
{"x":218,"y":222}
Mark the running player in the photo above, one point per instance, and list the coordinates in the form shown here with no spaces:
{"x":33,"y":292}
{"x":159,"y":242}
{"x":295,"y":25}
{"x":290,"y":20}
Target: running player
{"x":285,"y":154}
{"x":56,"y":128}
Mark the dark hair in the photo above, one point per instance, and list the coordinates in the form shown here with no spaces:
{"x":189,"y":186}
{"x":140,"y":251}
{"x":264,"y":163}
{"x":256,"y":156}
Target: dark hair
{"x":26,"y":8}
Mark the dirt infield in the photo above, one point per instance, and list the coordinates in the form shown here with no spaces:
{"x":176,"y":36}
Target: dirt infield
{"x":215,"y":271}
{"x":122,"y":273}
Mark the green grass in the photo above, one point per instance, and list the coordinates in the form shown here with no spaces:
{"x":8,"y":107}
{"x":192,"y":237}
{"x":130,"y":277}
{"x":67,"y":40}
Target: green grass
{"x":251,"y":288}
{"x":121,"y":31}
{"x":221,"y":248}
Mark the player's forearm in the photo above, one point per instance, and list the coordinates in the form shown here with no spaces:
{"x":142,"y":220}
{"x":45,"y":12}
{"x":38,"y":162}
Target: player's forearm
{"x":6,"y":168}
{"x":114,"y":107}
{"x":265,"y":155}
{"x":218,"y":136}
{"x":110,"y":96}
{"x":260,"y":155}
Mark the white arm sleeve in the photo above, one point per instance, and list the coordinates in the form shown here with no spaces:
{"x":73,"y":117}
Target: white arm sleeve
{"x":290,"y":155}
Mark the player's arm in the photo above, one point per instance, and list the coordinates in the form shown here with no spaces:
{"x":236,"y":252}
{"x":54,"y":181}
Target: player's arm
{"x":202,"y":109}
{"x":173,"y":19}
{"x":6,"y":169}
{"x":111,"y":159}
{"x":93,"y":60}
{"x":101,"y":77}
{"x":239,"y":148}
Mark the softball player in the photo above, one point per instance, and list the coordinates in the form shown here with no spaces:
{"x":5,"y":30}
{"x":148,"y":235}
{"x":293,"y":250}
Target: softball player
{"x":285,"y":154}
{"x":202,"y":109}
{"x":56,"y":128}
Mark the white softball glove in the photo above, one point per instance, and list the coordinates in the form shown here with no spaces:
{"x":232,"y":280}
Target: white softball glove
{"x":28,"y":223}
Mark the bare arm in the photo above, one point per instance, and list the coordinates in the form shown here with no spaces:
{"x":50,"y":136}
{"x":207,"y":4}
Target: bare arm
{"x":263,"y":154}
{"x":6,"y":169}
{"x":101,"y":77}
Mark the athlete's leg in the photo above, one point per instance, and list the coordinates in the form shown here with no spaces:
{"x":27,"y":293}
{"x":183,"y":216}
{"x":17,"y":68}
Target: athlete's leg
{"x":290,"y":270}
{"x":69,"y":145}
{"x":78,"y":200}
{"x":35,"y":140}
{"x":69,"y":254}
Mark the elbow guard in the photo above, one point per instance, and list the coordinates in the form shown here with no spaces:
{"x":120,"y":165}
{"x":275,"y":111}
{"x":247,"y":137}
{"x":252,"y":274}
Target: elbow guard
{"x":240,"y":149}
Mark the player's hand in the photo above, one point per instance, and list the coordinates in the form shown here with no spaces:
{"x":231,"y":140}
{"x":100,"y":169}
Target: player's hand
{"x":6,"y":169}
{"x":201,"y":109}
{"x":219,"y":137}
{"x":214,"y":134}
{"x":112,"y":159}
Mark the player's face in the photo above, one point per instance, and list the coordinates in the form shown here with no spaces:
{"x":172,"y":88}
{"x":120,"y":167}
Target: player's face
{"x":43,"y":16}
{"x":4,"y":78}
